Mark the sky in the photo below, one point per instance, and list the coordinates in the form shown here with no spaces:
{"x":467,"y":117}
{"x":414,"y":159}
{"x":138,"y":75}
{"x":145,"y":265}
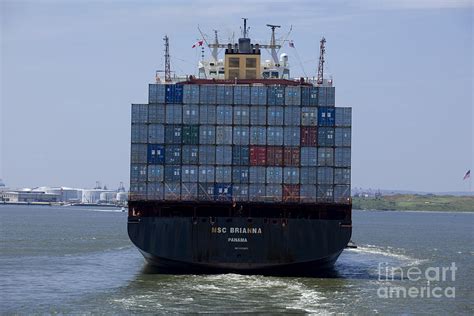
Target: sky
{"x":70,"y":70}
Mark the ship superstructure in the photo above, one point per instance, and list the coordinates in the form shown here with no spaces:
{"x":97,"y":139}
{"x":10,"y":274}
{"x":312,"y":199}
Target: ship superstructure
{"x":241,"y":169}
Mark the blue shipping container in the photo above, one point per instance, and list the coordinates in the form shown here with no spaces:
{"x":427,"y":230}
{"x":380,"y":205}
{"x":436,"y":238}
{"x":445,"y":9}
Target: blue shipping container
{"x":174,"y":93}
{"x":223,"y":191}
{"x":156,"y":154}
{"x":326,"y":116}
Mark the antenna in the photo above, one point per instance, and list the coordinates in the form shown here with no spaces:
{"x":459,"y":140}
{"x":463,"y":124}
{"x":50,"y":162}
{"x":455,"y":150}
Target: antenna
{"x":273,"y":45}
{"x":322,"y":50}
{"x":167,"y":59}
{"x":245,"y":31}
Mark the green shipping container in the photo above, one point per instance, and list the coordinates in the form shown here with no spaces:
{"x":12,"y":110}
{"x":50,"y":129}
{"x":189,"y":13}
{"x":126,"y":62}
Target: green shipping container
{"x":191,"y":135}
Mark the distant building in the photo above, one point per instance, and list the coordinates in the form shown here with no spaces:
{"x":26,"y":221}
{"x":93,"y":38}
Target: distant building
{"x":65,"y":194}
{"x":28,"y":196}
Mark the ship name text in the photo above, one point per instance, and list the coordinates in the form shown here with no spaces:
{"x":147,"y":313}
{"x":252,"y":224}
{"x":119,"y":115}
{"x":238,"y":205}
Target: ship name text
{"x":236,"y":230}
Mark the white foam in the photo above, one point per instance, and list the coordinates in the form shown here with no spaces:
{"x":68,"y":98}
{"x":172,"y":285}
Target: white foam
{"x":387,"y":252}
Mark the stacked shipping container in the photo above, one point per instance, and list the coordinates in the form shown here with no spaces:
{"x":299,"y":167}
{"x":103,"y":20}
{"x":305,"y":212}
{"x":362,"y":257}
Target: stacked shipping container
{"x":241,"y":143}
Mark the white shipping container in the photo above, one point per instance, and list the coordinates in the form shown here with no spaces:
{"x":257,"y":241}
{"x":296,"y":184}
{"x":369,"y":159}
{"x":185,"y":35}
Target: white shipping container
{"x":309,"y":116}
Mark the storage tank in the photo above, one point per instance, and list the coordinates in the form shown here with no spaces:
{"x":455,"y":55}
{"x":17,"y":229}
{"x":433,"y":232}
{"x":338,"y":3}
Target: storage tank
{"x":91,"y":195}
{"x":108,"y":196}
{"x":121,"y":197}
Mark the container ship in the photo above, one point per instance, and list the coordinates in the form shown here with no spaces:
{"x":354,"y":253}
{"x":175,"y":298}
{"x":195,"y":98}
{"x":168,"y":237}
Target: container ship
{"x":241,"y":169}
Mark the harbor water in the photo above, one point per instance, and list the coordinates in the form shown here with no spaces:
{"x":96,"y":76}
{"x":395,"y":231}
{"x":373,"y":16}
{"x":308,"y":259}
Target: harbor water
{"x":79,"y":260}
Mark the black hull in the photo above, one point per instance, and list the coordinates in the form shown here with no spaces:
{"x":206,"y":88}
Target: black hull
{"x":310,"y":268}
{"x":270,"y":246}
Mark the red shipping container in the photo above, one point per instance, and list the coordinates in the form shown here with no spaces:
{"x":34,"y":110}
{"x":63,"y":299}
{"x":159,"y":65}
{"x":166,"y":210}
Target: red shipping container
{"x":258,"y":155}
{"x":291,"y":156}
{"x":274,"y":156}
{"x":309,"y":136}
{"x":291,"y":193}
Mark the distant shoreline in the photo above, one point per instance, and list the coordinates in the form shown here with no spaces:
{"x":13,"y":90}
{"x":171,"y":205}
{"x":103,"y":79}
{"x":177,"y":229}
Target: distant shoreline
{"x":416,"y":203}
{"x":412,"y":211}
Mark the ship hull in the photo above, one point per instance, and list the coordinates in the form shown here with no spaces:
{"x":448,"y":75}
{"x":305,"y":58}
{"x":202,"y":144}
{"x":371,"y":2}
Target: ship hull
{"x":273,"y":246}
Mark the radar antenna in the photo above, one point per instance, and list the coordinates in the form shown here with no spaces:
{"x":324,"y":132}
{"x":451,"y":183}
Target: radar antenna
{"x":167,"y":59}
{"x":322,"y":50}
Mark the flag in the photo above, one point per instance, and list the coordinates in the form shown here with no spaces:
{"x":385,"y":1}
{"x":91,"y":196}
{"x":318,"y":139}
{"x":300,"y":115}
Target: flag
{"x":467,"y":175}
{"x":291,"y":44}
{"x":198,"y":43}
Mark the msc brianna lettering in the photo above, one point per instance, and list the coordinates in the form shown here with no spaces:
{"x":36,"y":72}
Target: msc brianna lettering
{"x":242,"y":169}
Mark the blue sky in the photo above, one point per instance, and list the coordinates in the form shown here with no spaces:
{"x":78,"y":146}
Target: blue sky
{"x":70,"y":70}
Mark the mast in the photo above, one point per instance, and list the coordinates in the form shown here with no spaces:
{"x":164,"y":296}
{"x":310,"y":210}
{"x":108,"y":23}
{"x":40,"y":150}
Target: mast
{"x":322,"y":50}
{"x":245,"y":30}
{"x":167,"y":59}
{"x":273,"y":45}
{"x":215,"y":47}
